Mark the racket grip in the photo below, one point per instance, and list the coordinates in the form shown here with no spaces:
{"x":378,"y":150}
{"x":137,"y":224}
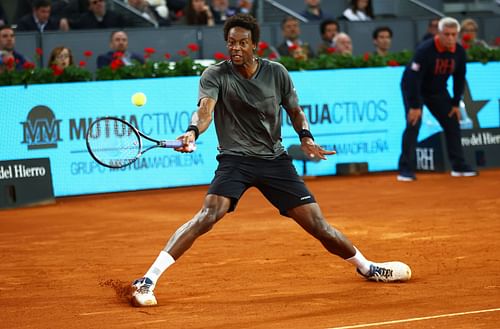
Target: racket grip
{"x":176,"y":144}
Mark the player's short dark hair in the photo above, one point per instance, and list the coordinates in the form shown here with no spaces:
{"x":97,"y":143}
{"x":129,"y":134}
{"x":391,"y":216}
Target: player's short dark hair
{"x":381,"y":29}
{"x":245,"y":21}
{"x":6,"y":27}
{"x":326,"y":22}
{"x":41,"y":4}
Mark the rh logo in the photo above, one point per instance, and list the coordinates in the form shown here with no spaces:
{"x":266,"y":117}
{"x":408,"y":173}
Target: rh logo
{"x":41,"y":130}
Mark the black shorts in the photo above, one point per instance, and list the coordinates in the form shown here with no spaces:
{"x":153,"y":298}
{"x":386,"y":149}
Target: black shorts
{"x":277,"y":180}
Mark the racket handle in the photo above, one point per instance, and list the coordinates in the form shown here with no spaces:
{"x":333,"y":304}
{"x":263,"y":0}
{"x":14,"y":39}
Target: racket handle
{"x":176,"y":144}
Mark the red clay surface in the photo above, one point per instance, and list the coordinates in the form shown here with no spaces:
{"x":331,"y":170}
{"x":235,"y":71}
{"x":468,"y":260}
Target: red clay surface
{"x":67,"y":265}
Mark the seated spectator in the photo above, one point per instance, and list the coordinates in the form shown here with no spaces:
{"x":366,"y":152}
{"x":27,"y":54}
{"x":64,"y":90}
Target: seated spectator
{"x":222,"y":10}
{"x":359,"y":10}
{"x":160,"y":6}
{"x":98,"y":17}
{"x":197,"y":12}
{"x":292,"y":45}
{"x":468,"y":33}
{"x":432,"y":29}
{"x":7,"y":45}
{"x":382,"y":39}
{"x":313,"y":11}
{"x":60,"y":58}
{"x":149,"y":12}
{"x":119,"y":50}
{"x":175,"y":8}
{"x":343,"y":44}
{"x":328,"y":29}
{"x":246,"y":6}
{"x":40,"y":19}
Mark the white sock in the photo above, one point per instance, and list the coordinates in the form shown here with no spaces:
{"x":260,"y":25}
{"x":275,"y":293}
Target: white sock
{"x":360,"y":261}
{"x":162,"y":262}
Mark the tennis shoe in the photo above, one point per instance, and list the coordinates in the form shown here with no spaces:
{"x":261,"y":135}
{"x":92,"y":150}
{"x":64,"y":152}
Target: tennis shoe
{"x":388,"y":272}
{"x":142,"y":293}
{"x":406,"y":177}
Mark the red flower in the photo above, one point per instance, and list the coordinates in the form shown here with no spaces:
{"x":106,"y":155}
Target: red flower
{"x":39,"y":51}
{"x":263,"y":45}
{"x":193,"y":47}
{"x":149,"y":51}
{"x":260,"y":52}
{"x":10,"y":62}
{"x":88,"y":53}
{"x":116,"y":64}
{"x":273,"y":56}
{"x":465,"y":45}
{"x":82,"y":63}
{"x":182,"y":52}
{"x":466,"y":37}
{"x":331,"y":50}
{"x":28,"y":65}
{"x":392,"y":62}
{"x":56,"y":71}
{"x":219,"y":56}
{"x":366,"y":56}
{"x":497,"y":41}
{"x":117,"y":54}
{"x":293,"y":47}
{"x":167,"y":56}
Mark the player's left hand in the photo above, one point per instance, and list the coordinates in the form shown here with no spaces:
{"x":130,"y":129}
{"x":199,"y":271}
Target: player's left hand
{"x":455,"y":111}
{"x":313,"y":150}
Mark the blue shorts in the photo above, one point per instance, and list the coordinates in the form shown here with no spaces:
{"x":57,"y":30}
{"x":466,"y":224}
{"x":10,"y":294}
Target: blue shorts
{"x":277,"y":180}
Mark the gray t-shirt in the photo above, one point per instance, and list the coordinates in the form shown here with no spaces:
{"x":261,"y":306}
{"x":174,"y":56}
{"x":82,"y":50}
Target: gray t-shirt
{"x":247,"y":113}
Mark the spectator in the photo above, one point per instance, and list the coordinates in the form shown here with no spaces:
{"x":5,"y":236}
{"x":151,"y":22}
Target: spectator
{"x":432,"y":29}
{"x":359,"y":10}
{"x":175,"y":8}
{"x":60,"y":58}
{"x":40,"y":19}
{"x":160,"y":6}
{"x":7,"y":45}
{"x":292,"y":45}
{"x":246,"y":6}
{"x":313,"y":11}
{"x":119,"y":51}
{"x":328,"y":28}
{"x":222,"y":10}
{"x":197,"y":12}
{"x":149,"y":12}
{"x":98,"y":17}
{"x":343,"y":44}
{"x":382,"y":39}
{"x":468,"y":32}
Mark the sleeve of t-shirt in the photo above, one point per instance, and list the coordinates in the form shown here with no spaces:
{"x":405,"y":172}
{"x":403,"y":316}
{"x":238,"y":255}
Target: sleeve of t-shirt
{"x":459,"y":77}
{"x":289,"y":97}
{"x":209,"y":84}
{"x":417,"y":68}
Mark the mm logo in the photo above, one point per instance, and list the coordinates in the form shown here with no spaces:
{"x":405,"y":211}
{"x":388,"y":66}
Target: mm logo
{"x":41,"y":130}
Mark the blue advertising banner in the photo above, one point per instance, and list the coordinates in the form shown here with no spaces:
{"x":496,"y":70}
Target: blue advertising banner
{"x":358,"y":112}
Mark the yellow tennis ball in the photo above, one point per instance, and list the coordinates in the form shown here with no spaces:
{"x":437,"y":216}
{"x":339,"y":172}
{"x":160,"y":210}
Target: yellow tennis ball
{"x":139,"y":99}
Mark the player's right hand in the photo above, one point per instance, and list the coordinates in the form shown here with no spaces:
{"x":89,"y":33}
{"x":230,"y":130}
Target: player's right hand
{"x":188,"y":142}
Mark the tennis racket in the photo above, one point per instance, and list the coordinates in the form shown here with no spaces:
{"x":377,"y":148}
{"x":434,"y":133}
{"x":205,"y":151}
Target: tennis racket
{"x":115,"y":143}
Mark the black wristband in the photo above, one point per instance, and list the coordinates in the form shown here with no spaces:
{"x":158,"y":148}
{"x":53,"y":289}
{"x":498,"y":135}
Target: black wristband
{"x":305,"y":133}
{"x":195,"y":129}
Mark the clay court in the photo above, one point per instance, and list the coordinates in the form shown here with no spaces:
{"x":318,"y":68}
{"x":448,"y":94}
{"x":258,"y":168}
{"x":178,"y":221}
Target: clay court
{"x":67,"y":265}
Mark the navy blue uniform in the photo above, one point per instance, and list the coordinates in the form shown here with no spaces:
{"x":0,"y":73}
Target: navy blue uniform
{"x":424,"y":82}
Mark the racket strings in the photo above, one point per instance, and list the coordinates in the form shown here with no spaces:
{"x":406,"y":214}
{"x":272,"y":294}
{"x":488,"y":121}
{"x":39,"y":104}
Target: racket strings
{"x":113,"y":142}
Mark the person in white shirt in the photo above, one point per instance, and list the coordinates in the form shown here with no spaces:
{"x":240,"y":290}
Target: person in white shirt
{"x":359,"y":10}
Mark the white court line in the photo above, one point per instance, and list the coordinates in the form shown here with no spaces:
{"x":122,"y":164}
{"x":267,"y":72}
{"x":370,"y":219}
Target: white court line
{"x":375,"y":324}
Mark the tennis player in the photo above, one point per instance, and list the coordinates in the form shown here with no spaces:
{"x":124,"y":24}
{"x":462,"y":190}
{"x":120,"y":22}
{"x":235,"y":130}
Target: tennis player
{"x":244,"y":95}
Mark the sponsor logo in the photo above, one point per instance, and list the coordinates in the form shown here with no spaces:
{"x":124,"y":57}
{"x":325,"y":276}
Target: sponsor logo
{"x":41,"y":130}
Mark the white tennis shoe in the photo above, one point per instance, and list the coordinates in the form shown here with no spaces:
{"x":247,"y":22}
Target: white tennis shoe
{"x":388,"y":272}
{"x":142,"y":293}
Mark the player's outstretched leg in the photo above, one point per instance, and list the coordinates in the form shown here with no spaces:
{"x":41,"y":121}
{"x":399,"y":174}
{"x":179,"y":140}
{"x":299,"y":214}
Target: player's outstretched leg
{"x":310,"y":218}
{"x":214,"y":208}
